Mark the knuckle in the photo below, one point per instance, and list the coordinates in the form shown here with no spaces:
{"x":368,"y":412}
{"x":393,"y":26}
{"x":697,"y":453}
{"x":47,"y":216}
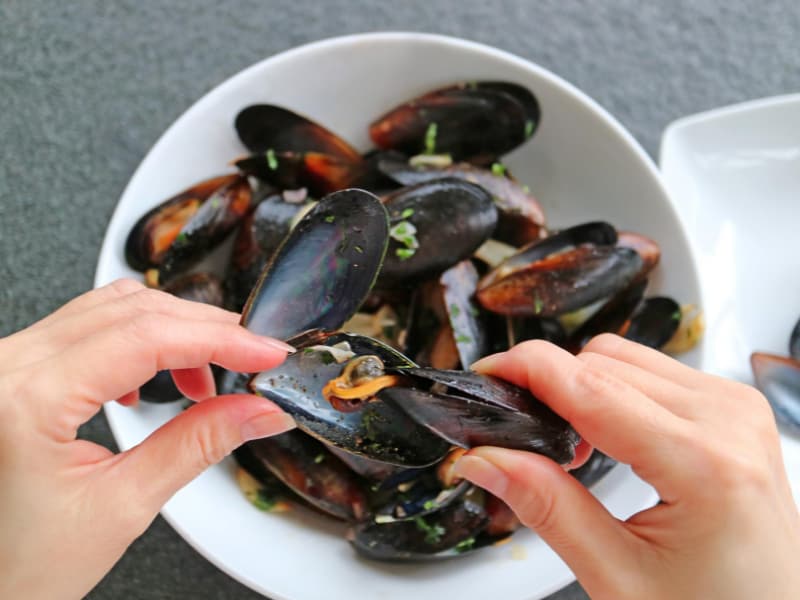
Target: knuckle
{"x":604,"y":343}
{"x":125,"y":286}
{"x":211,"y":448}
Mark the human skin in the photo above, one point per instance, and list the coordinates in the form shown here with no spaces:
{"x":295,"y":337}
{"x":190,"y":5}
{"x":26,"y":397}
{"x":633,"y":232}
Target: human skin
{"x":727,"y":526}
{"x":72,"y":507}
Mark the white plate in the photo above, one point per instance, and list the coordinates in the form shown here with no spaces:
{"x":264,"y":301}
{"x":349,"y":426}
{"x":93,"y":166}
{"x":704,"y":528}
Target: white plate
{"x":581,"y":163}
{"x":734,"y":176}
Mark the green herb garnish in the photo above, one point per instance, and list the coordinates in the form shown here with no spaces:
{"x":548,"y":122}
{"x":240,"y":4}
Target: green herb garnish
{"x":428,"y":504}
{"x":529,"y":125}
{"x":454,"y":311}
{"x":465,"y":545}
{"x":272,"y":160}
{"x":430,"y":139}
{"x":404,"y":253}
{"x":538,"y":305}
{"x":181,"y":238}
{"x":263,"y":501}
{"x":406,"y":213}
{"x":319,"y":458}
{"x":463,"y":339}
{"x":433,"y":533}
{"x":498,"y":169}
{"x":330,"y":219}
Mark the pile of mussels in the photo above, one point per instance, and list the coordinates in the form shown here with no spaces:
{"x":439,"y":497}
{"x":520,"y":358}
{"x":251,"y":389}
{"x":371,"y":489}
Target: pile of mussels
{"x":418,"y":258}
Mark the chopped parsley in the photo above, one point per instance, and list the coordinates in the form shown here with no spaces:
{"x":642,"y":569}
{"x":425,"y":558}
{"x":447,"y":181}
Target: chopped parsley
{"x":319,"y":458}
{"x":465,"y":545}
{"x":330,"y":219}
{"x":406,"y":213}
{"x":404,"y":253}
{"x":272,"y":160}
{"x":498,"y":169}
{"x":429,"y":504}
{"x":529,"y":125}
{"x":430,"y":138}
{"x":263,"y":501}
{"x":538,"y":305}
{"x":463,"y":339}
{"x":214,"y":203}
{"x":358,"y":249}
{"x":405,"y":233}
{"x":454,"y":311}
{"x":676,"y":316}
{"x":433,"y":533}
{"x":181,"y":238}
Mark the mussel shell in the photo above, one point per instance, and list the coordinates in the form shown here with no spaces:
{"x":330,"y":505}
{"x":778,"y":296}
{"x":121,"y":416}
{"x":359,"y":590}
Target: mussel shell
{"x":520,"y":220}
{"x":262,"y":127}
{"x":794,"y":342}
{"x":468,"y":331}
{"x":646,"y":248}
{"x":323,"y":270}
{"x":484,"y":411}
{"x":562,"y":283}
{"x":160,"y":389}
{"x":320,"y":173}
{"x":372,"y":470}
{"x":778,"y":378}
{"x":474,"y":121}
{"x":417,"y":497}
{"x":654,"y":321}
{"x":611,"y":318}
{"x":378,"y":430}
{"x":452,"y":219}
{"x":446,"y":533}
{"x":142,"y":249}
{"x":594,"y":469}
{"x":213,"y":221}
{"x":197,"y":287}
{"x":308,"y":469}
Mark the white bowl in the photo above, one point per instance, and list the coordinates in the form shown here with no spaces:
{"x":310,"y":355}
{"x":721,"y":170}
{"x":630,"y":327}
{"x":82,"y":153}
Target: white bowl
{"x":581,"y":164}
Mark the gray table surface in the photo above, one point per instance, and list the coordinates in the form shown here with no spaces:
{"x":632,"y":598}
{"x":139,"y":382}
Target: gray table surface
{"x":86,"y":87}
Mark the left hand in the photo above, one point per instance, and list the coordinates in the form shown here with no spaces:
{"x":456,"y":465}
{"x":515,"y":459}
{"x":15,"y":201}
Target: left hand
{"x":71,"y":507}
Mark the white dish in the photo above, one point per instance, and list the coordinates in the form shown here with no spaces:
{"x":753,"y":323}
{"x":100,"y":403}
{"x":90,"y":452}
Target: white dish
{"x":734,"y":176}
{"x":582,"y":165}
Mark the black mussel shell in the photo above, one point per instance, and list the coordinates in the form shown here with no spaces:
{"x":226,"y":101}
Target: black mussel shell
{"x":319,"y":173}
{"x":478,"y":410}
{"x":611,"y":318}
{"x":654,"y":321}
{"x":477,"y":122}
{"x":264,"y":127}
{"x":794,"y":342}
{"x":647,"y":249}
{"x":197,"y":287}
{"x":447,"y":533}
{"x":210,"y":225}
{"x":778,"y":378}
{"x":417,"y":497}
{"x":451,"y":219}
{"x":305,"y":466}
{"x":373,"y":470}
{"x":536,"y":328}
{"x":160,"y":389}
{"x":323,"y":270}
{"x":155,"y":231}
{"x":469,"y":331}
{"x":377,"y":430}
{"x":260,"y":235}
{"x":521,"y":218}
{"x":594,"y":469}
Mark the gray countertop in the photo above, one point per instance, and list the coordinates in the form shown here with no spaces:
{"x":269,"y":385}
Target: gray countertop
{"x":86,"y":87}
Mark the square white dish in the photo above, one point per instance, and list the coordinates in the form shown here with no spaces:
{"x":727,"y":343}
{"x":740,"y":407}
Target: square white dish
{"x":734,"y":177}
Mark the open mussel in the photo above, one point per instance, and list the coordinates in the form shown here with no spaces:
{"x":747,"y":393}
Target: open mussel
{"x":157,"y":229}
{"x":521,"y":218}
{"x":561,"y":273}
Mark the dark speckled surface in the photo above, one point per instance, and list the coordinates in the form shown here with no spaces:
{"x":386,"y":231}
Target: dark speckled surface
{"x":86,"y":87}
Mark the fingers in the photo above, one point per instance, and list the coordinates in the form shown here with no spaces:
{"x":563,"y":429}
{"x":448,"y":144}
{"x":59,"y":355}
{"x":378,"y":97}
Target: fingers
{"x":649,"y":359}
{"x":611,"y":414}
{"x":191,"y":442}
{"x":103,"y":310}
{"x":111,"y":363}
{"x":196,"y":384}
{"x":672,"y":396}
{"x":552,"y":503}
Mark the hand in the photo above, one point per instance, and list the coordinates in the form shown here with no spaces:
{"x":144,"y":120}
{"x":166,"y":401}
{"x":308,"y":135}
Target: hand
{"x":70,"y":507}
{"x":727,"y":527}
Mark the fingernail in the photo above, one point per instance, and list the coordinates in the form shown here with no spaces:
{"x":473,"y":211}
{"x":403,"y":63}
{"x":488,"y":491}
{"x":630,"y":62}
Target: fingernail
{"x":482,"y":473}
{"x":265,"y":425}
{"x":485,"y":363}
{"x":279,"y":345}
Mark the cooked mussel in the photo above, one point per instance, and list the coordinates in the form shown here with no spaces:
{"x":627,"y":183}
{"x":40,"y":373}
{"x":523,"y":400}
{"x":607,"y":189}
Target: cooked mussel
{"x":476,"y":121}
{"x":561,"y":273}
{"x":154,"y":232}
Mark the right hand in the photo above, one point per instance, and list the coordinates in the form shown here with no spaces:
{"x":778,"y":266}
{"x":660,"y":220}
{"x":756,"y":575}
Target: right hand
{"x":727,"y":528}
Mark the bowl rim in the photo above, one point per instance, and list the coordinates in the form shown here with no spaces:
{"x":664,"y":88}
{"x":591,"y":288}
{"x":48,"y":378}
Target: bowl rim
{"x":382,"y":37}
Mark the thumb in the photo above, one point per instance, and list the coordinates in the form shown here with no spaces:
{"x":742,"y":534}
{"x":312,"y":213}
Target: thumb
{"x":199,"y":437}
{"x":555,"y":505}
